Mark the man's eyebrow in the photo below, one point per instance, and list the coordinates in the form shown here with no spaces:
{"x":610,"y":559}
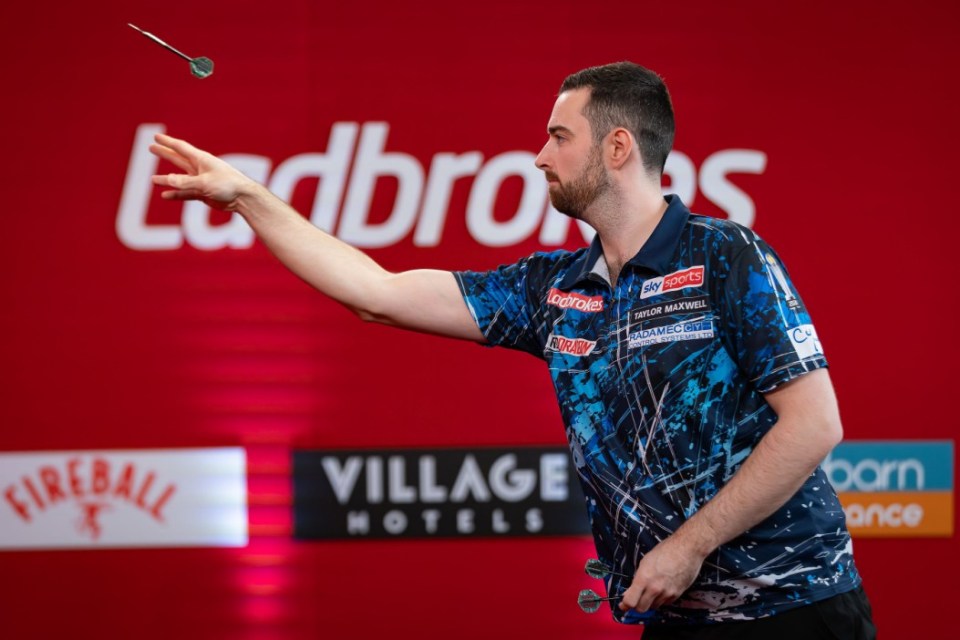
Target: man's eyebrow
{"x":558,"y":127}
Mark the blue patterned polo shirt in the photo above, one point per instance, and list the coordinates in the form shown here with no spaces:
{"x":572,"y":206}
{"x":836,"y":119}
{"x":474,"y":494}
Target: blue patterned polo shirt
{"x":660,"y":380}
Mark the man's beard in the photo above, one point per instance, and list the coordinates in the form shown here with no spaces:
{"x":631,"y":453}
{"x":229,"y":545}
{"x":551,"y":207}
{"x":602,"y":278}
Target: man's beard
{"x":573,"y":199}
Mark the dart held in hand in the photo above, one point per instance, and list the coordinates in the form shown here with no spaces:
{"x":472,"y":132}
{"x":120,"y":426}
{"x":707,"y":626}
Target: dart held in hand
{"x":200,"y":67}
{"x":596,"y":569}
{"x":589,"y":600}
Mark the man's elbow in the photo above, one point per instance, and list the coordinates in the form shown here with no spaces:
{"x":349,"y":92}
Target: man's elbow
{"x":369,"y":315}
{"x":371,"y":304}
{"x":827,"y":431}
{"x":832,"y":432}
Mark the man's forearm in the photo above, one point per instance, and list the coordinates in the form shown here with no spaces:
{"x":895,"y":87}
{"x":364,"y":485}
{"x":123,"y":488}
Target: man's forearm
{"x":808,"y":427}
{"x":423,"y":300}
{"x":335,"y":268}
{"x":774,"y":471}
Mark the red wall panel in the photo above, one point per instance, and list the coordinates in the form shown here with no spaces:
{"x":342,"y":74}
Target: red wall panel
{"x":106,"y":346}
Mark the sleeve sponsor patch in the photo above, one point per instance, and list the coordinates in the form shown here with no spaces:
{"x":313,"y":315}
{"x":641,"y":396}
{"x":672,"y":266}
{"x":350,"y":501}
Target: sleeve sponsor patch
{"x":805,"y":341}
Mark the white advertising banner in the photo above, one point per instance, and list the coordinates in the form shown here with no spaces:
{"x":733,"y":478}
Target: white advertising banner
{"x":137,"y":498}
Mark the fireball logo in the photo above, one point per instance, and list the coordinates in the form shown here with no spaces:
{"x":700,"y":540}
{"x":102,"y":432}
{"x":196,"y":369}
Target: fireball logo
{"x":88,"y":523}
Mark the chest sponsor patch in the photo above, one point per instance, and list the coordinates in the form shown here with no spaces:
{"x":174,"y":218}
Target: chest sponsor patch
{"x":692,"y":304}
{"x":564,"y":300}
{"x":570,"y":346}
{"x":683,"y":279}
{"x":695,"y":330}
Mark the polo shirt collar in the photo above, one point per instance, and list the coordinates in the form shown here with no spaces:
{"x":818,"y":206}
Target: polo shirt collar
{"x":655,"y":254}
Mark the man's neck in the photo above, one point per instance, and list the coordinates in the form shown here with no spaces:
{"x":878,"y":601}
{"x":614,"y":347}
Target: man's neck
{"x":625,"y":224}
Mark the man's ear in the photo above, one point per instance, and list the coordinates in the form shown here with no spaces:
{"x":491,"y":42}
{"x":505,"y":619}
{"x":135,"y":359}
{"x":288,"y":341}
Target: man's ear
{"x":620,"y":146}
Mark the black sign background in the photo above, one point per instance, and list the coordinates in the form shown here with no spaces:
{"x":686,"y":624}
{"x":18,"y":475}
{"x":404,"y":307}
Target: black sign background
{"x":319,"y":515}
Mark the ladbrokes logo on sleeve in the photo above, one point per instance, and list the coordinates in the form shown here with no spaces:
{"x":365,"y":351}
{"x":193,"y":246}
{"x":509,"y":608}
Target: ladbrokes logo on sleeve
{"x":101,"y":499}
{"x":894,"y":488}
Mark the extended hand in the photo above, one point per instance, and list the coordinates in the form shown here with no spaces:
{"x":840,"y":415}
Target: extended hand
{"x":664,"y":573}
{"x":207,"y":178}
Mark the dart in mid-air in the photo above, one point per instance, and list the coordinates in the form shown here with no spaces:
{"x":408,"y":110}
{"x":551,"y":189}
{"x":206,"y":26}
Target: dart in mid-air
{"x":200,"y":67}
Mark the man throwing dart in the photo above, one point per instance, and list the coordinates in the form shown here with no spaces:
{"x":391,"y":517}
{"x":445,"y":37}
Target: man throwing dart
{"x":692,"y":384}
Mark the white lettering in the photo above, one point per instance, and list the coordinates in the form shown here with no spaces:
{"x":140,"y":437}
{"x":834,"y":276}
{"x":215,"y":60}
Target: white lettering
{"x":910,"y":464}
{"x":722,"y":192}
{"x":912,"y":515}
{"x":444,"y":171}
{"x":470,"y":481}
{"x":430,"y":519}
{"x":132,"y":228}
{"x":683,"y":176}
{"x":465,"y":521}
{"x":534,"y":520}
{"x":374,"y":480}
{"x":342,"y":478}
{"x":358,"y":523}
{"x":395,"y":522}
{"x":330,"y":167}
{"x":879,"y":515}
{"x":483,"y":196}
{"x":400,"y":491}
{"x":508,"y":482}
{"x":873,"y":475}
{"x":553,"y":477}
{"x":429,"y":491}
{"x":499,"y":524}
{"x":504,"y":479}
{"x":370,"y":162}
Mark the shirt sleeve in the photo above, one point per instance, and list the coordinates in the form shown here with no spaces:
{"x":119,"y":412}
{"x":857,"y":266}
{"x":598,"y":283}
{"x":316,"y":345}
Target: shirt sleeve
{"x":501,"y":304}
{"x":767,"y":324}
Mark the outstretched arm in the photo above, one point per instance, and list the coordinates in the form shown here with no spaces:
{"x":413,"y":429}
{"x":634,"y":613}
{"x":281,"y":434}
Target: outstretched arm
{"x":808,"y":427}
{"x":422,"y":300}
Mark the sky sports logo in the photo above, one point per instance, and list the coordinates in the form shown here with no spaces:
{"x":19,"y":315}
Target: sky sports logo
{"x":894,"y":488}
{"x":683,"y":279}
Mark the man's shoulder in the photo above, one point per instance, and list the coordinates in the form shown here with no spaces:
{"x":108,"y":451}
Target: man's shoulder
{"x":534,"y":271}
{"x":546,"y":264}
{"x":720,"y":230}
{"x":556,"y":259}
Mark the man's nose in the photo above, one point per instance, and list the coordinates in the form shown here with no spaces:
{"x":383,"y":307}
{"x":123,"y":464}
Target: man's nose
{"x":541,"y":160}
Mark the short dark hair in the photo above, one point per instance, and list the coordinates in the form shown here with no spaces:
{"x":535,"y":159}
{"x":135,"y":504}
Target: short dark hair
{"x":624,"y":94}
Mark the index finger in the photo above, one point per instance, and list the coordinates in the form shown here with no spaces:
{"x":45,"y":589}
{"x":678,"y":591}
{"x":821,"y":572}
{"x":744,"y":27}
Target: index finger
{"x":182,"y":147}
{"x":171,"y":156}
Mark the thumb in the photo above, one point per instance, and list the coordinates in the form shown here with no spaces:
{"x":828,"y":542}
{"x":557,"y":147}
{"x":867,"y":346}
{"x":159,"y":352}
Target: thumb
{"x":630,"y":597}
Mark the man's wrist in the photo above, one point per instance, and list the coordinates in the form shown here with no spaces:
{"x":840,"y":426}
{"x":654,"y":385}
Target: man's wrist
{"x":252,"y":198}
{"x":697,"y":536}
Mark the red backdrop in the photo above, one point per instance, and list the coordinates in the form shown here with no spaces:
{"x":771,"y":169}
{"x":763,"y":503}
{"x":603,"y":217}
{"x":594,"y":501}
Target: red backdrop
{"x":852,"y":106}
